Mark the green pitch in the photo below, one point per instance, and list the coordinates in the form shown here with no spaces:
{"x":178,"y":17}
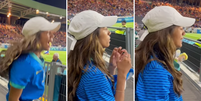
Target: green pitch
{"x":128,"y":24}
{"x":48,"y":58}
{"x":62,"y":56}
{"x":192,"y":36}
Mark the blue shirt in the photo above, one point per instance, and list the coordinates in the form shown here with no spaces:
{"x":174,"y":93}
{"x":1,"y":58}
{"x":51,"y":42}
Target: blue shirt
{"x":94,"y":85}
{"x":27,"y":73}
{"x":155,"y":84}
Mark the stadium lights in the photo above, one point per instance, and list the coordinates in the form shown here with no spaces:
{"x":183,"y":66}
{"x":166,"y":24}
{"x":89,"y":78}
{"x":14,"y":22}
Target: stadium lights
{"x":40,"y":12}
{"x":51,"y":14}
{"x":8,"y":15}
{"x":37,"y":11}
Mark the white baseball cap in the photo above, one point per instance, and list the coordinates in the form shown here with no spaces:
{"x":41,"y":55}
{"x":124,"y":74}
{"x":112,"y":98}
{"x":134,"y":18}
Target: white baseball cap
{"x":36,"y":24}
{"x":85,"y":22}
{"x":162,"y":17}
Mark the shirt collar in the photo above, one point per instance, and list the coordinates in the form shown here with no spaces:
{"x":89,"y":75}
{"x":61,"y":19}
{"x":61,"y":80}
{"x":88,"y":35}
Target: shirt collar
{"x":39,"y":60}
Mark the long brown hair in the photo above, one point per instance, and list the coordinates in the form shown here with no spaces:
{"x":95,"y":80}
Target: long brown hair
{"x":160,"y":44}
{"x":26,"y":45}
{"x":85,"y":49}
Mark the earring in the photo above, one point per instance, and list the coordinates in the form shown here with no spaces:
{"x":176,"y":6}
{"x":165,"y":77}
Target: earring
{"x":38,"y":46}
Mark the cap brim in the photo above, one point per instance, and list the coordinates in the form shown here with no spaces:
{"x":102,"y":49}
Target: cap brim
{"x":143,"y":35}
{"x":185,"y":22}
{"x":52,"y":27}
{"x":108,"y":21}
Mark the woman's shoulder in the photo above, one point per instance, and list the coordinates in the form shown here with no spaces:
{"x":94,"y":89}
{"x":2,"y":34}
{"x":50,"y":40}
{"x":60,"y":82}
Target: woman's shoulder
{"x":91,"y":69}
{"x":23,"y":61}
{"x":156,"y":68}
{"x":22,"y":58}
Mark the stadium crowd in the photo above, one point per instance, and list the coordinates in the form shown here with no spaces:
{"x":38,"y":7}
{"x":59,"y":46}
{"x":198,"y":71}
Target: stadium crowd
{"x":141,"y":8}
{"x":105,"y":7}
{"x":9,"y":34}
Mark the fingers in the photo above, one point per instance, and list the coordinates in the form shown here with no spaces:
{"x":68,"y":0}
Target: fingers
{"x":123,"y":51}
{"x":119,"y":50}
{"x":118,"y":57}
{"x":125,"y":54}
{"x":114,"y":50}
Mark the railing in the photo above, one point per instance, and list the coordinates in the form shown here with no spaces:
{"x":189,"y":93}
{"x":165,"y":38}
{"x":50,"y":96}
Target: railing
{"x":194,"y":55}
{"x":53,"y":91}
{"x":125,"y":41}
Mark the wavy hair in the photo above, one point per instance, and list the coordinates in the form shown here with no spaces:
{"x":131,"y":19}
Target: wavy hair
{"x":161,"y":46}
{"x":85,"y":49}
{"x":26,"y":45}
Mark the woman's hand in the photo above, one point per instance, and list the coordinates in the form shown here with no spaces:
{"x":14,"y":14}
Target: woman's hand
{"x":113,"y":60}
{"x":123,"y":63}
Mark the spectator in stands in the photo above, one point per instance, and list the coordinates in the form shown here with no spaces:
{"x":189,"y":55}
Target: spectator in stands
{"x":156,"y":77}
{"x":105,"y":7}
{"x":9,"y":34}
{"x":88,"y":78}
{"x":56,"y":58}
{"x":141,"y":8}
{"x":23,"y":61}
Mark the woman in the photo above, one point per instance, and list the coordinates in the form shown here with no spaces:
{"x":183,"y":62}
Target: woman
{"x":23,"y":61}
{"x":155,"y":75}
{"x":88,"y":77}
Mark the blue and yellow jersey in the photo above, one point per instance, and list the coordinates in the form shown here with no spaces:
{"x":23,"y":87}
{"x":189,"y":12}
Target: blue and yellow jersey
{"x":27,"y":73}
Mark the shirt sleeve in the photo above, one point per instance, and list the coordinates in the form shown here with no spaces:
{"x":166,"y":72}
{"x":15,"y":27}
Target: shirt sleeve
{"x":156,"y":85}
{"x":99,"y":88}
{"x":20,"y":74}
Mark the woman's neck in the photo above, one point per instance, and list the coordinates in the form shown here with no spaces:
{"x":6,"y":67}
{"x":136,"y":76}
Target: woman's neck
{"x":37,"y":53}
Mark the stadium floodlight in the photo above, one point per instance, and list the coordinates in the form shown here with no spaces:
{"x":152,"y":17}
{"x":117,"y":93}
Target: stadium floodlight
{"x":37,"y":11}
{"x":49,"y":14}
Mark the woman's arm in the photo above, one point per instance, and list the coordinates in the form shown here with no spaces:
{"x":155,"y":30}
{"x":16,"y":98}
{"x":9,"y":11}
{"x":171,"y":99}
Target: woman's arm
{"x":14,"y":94}
{"x":123,"y":66}
{"x":112,"y":69}
{"x":120,"y":89}
{"x":20,"y":75}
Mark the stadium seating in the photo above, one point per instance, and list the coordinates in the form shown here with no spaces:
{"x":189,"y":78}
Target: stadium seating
{"x":11,"y":33}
